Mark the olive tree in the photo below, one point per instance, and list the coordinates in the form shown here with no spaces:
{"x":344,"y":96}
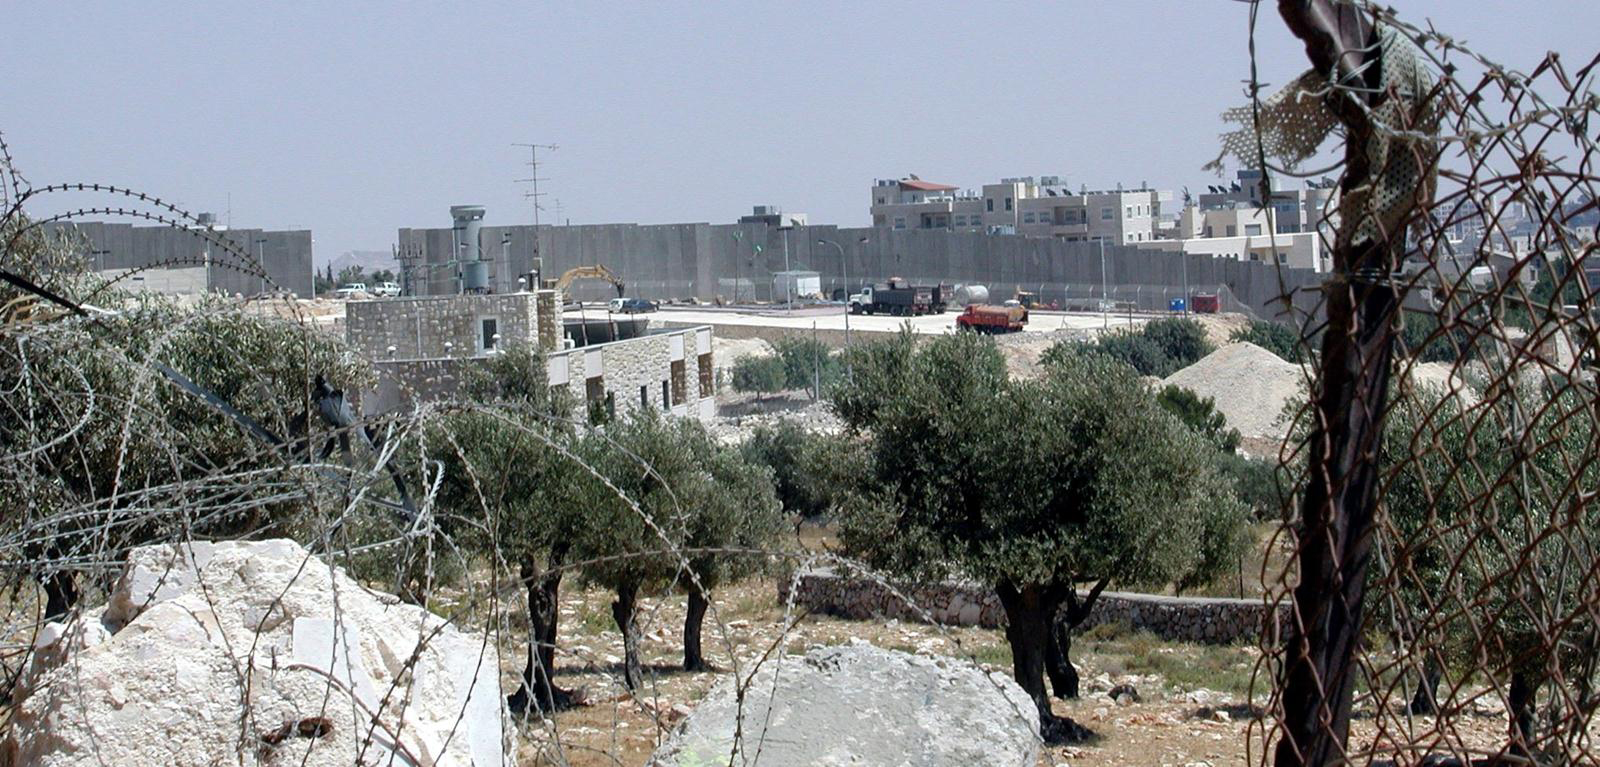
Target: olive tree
{"x":1037,"y":488}
{"x":811,"y":472}
{"x":111,"y":451}
{"x":506,"y":472}
{"x":1487,"y":546}
{"x":637,"y":518}
{"x":731,"y":519}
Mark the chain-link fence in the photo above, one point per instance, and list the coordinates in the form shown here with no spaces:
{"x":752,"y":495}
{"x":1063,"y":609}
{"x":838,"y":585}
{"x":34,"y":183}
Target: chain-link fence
{"x":1444,"y":588}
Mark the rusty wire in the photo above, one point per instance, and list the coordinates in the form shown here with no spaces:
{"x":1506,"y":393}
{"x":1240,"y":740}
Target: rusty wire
{"x":1478,"y":636}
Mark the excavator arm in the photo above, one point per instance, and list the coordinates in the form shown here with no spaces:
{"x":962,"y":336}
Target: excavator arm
{"x":595,"y":271}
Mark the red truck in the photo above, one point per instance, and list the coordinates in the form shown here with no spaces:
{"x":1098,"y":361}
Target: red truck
{"x":992,"y":319}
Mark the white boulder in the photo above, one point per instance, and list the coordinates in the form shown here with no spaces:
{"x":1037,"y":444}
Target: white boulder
{"x":860,"y":705}
{"x":256,"y":653}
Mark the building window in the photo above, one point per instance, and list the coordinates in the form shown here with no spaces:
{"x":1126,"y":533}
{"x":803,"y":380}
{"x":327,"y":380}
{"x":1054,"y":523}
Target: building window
{"x":1252,"y":229}
{"x":706,"y":384}
{"x":1130,"y":236}
{"x":1232,"y":230}
{"x":1208,"y":231}
{"x":488,"y":333}
{"x":1106,"y":214}
{"x":666,"y":395}
{"x":1283,"y":258}
{"x":899,"y":222}
{"x":1027,"y":218}
{"x":644,"y":396}
{"x":1130,"y":211}
{"x":880,"y":200}
{"x":680,"y":382}
{"x":1008,"y":203}
{"x":989,"y":204}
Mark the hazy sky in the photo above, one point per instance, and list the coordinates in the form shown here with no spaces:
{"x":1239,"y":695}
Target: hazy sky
{"x":354,"y":119}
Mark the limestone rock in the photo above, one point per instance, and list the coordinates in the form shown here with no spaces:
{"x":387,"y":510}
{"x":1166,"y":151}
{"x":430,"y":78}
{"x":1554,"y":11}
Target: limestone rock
{"x":255,"y":653}
{"x":861,"y":705}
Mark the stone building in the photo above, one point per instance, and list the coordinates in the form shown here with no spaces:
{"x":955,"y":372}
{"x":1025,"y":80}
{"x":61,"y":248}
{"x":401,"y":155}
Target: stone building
{"x":421,"y":345}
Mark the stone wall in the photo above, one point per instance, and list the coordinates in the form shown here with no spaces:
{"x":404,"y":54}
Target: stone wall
{"x":622,"y":367}
{"x":1188,"y":619}
{"x":419,"y":327}
{"x":631,"y":373}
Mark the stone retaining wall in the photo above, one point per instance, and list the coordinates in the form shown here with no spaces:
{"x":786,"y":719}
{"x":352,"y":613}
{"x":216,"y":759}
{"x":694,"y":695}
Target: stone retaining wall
{"x":1188,"y":619}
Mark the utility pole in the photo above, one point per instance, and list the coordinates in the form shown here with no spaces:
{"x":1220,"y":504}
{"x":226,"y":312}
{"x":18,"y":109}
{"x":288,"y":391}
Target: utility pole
{"x":535,"y":194}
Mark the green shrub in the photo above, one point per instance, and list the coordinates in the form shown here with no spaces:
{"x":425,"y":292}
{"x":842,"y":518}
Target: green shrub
{"x":1274,"y":337}
{"x":759,"y":374}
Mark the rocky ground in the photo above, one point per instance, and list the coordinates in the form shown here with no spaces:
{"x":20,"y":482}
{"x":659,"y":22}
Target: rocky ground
{"x":1192,"y":708}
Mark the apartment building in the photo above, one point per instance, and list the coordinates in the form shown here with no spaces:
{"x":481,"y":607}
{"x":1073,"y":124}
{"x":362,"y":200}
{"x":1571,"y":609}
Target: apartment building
{"x":1294,"y":210}
{"x":1042,"y":207}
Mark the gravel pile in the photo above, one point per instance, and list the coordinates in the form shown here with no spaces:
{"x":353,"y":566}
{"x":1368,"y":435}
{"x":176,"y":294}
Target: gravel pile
{"x":1249,"y":384}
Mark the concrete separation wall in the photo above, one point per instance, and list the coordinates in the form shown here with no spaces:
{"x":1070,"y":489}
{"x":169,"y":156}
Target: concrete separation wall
{"x":1186,"y":619}
{"x":705,"y":260}
{"x":285,"y":255}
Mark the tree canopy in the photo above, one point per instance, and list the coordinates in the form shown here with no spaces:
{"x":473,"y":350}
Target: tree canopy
{"x":1036,"y":487}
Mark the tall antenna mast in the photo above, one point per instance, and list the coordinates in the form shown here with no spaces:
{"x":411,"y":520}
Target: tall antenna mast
{"x":535,"y":194}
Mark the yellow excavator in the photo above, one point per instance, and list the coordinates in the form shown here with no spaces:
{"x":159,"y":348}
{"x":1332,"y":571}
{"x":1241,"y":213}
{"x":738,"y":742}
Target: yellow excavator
{"x":595,"y":271}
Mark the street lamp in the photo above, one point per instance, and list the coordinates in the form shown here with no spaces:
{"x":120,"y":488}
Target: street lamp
{"x":261,"y":261}
{"x":738,"y":238}
{"x":788,"y":279}
{"x":844,"y":272}
{"x":1105,"y":319}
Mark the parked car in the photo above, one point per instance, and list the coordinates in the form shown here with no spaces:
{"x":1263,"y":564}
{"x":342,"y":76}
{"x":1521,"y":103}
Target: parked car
{"x":387,"y":289}
{"x":352,"y":289}
{"x":630,"y":306}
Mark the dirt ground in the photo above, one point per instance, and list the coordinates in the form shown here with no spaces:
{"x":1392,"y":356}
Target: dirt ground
{"x":1192,"y":710}
{"x":1170,"y":726}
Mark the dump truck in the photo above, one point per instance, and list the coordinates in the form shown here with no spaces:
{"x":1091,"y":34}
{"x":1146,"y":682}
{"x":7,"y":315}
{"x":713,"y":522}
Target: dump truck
{"x":900,"y":297}
{"x":992,"y":319}
{"x":1205,"y":303}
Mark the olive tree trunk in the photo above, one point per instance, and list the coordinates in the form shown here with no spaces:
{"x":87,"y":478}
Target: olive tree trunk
{"x":1426,"y":701}
{"x":538,"y":687}
{"x":625,"y":611}
{"x":1522,"y":706}
{"x":60,"y":594}
{"x":1030,"y":613}
{"x":693,"y":660}
{"x":1070,"y":612}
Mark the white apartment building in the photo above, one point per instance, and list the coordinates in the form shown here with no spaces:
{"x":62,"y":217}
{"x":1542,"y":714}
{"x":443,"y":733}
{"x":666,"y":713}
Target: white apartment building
{"x":1036,"y":208}
{"x":1244,"y":234}
{"x":1295,"y":210}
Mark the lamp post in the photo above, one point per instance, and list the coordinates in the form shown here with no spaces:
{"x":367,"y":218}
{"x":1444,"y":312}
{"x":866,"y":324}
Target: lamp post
{"x":844,"y":274}
{"x":788,"y":279}
{"x":261,"y":261}
{"x":738,"y":239}
{"x":1105,"y":319}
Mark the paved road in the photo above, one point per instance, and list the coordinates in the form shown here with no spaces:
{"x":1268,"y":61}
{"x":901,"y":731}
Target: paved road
{"x":833,"y":318}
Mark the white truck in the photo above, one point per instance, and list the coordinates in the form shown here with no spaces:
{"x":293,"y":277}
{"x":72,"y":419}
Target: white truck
{"x":386,"y":289}
{"x":352,"y":290}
